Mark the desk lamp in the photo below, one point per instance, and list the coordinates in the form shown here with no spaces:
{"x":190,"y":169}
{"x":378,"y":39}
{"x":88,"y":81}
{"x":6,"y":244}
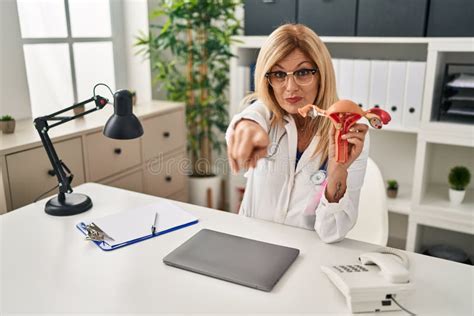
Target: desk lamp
{"x":123,"y":124}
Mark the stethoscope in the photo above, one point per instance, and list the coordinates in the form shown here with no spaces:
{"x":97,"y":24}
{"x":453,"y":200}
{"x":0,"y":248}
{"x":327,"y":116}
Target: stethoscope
{"x":316,"y":178}
{"x":273,"y":148}
{"x":320,"y":176}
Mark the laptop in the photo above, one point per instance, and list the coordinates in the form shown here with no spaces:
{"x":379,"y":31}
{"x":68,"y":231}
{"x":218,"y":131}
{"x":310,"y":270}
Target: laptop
{"x":235,"y":259}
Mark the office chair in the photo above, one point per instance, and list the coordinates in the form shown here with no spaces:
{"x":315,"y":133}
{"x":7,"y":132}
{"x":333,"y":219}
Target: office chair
{"x":372,"y":221}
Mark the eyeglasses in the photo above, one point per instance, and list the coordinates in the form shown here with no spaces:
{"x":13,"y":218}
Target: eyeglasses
{"x":303,"y":77}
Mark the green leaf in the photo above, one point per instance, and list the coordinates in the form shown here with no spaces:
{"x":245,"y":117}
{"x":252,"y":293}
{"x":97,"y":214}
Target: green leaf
{"x":213,"y":27}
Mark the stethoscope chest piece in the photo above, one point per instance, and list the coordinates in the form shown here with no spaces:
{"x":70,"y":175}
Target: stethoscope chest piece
{"x":318,"y":177}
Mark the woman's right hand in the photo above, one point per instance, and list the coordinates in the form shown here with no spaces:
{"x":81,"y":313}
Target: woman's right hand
{"x":247,"y":145}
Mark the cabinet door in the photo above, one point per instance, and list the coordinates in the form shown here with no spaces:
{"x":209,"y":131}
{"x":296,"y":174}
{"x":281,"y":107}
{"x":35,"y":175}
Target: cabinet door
{"x":30,"y":172}
{"x":166,"y":175}
{"x":451,"y":18}
{"x":163,"y":134}
{"x":264,"y":16}
{"x":132,"y":181}
{"x":328,"y":17}
{"x":106,"y":156}
{"x":389,"y":18}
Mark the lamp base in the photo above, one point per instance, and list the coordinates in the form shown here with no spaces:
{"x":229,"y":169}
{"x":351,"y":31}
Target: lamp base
{"x":74,"y":203}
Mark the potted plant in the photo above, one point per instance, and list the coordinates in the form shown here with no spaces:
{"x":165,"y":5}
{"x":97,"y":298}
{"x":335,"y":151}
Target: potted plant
{"x":7,"y":124}
{"x":196,"y":37}
{"x":79,"y":110}
{"x":459,"y":177}
{"x":392,"y":188}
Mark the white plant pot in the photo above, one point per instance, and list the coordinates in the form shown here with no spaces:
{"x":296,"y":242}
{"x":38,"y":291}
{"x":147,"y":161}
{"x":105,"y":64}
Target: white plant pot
{"x":456,"y":197}
{"x":198,"y":190}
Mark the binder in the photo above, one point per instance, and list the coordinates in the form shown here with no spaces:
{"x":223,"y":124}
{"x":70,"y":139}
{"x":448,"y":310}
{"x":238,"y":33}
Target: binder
{"x":346,"y":70}
{"x":252,"y":76}
{"x":378,"y":84}
{"x":361,"y":82}
{"x":135,"y":225}
{"x":414,"y":93}
{"x":397,"y":72}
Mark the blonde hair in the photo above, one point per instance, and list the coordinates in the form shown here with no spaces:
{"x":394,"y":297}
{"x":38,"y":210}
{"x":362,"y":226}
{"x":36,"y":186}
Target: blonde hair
{"x":281,"y":42}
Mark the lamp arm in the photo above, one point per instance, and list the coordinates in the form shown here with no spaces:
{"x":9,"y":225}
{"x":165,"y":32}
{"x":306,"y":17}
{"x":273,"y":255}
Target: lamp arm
{"x":62,"y":172}
{"x":100,"y":102}
{"x":58,"y":166}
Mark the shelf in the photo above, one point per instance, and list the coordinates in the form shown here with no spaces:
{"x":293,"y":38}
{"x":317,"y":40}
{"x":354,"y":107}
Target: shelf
{"x":419,"y":156}
{"x":447,"y":133}
{"x":435,"y":206}
{"x":402,"y":203}
{"x":256,"y":41}
{"x":409,"y":130}
{"x":457,"y":44}
{"x":440,"y":44}
{"x":437,"y":198}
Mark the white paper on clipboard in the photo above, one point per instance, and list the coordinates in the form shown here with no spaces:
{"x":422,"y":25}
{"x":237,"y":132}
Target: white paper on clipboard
{"x":136,"y":223}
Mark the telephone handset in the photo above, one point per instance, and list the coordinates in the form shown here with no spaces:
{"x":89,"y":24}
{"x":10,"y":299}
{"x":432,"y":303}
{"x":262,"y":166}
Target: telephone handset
{"x":393,"y":264}
{"x":371,"y":283}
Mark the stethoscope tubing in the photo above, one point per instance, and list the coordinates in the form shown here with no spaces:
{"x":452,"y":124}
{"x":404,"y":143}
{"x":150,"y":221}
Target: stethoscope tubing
{"x":317,"y":178}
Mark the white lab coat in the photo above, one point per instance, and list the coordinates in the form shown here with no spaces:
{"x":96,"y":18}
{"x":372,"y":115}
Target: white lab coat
{"x":278,"y":192}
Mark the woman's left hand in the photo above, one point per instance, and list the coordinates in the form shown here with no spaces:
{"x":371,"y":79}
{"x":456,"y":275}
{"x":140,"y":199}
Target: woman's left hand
{"x":355,"y":137}
{"x":337,"y":172}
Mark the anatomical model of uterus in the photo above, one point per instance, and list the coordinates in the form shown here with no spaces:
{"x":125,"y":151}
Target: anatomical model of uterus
{"x":344,"y":114}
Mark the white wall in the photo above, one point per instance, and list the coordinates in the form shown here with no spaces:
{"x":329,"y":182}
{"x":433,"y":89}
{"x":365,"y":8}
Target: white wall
{"x":14,"y":95}
{"x":139,"y":73}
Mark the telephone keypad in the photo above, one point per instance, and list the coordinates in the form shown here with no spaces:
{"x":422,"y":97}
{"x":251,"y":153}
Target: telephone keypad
{"x":350,"y":268}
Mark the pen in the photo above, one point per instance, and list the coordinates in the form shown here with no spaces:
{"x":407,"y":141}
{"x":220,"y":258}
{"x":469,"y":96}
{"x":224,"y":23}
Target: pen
{"x":155,"y":224}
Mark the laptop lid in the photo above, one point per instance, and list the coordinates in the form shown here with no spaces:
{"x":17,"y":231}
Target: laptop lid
{"x":235,"y":259}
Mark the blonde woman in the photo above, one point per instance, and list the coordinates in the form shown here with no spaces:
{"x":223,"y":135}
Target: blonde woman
{"x":293,"y":177}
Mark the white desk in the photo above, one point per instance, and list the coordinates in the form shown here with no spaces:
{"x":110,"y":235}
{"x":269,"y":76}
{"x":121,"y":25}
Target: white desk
{"x":47,"y":267}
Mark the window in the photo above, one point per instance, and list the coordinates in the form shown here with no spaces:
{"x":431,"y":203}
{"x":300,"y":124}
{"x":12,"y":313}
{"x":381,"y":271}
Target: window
{"x":68,"y":47}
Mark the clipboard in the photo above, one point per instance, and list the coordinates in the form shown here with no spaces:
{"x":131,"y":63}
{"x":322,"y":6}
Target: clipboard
{"x":134,"y":225}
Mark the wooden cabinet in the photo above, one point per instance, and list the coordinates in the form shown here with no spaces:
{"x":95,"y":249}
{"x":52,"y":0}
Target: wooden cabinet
{"x":167,"y":175}
{"x":30,"y":173}
{"x":131,"y":181}
{"x":163,"y":134}
{"x":106,"y":156}
{"x":151,"y":164}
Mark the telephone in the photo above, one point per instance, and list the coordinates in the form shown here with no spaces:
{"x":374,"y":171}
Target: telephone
{"x":378,"y":282}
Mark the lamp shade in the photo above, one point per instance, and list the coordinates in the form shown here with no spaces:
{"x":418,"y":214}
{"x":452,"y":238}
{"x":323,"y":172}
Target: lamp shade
{"x":123,"y":124}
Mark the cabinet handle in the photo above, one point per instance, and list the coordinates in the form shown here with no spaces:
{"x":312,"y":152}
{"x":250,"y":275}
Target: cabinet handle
{"x":394,"y":108}
{"x":168,"y":179}
{"x":51,"y":172}
{"x":411,"y":110}
{"x":166,"y":134}
{"x":118,"y":151}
